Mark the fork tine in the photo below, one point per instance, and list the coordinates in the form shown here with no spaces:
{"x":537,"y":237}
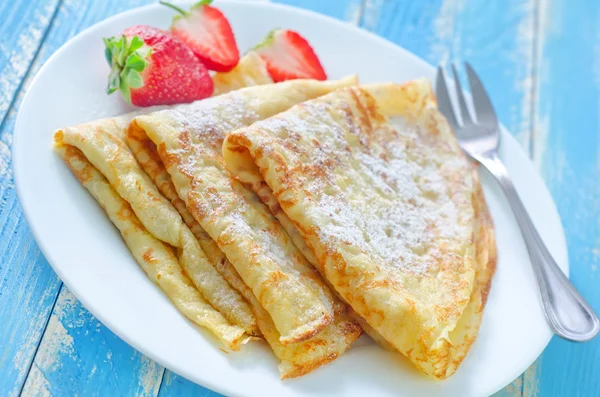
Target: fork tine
{"x":464,"y":110}
{"x":444,"y":101}
{"x":483,"y":106}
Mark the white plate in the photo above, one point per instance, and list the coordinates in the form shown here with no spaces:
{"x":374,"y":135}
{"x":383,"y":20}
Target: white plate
{"x":89,"y":256}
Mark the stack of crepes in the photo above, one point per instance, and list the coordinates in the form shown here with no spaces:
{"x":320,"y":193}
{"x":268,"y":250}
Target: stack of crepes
{"x":223,"y":259}
{"x":373,"y":181}
{"x":334,"y":206}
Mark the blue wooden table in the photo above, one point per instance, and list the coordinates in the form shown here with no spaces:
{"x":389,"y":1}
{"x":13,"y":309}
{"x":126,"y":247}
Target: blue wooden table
{"x":540,"y":60}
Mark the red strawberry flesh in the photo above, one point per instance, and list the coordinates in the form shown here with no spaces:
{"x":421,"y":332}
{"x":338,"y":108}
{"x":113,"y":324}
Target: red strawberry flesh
{"x":208,"y":33}
{"x":289,"y":56}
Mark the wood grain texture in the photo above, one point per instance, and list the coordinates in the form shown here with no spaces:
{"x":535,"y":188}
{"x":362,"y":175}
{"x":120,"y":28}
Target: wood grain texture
{"x":79,"y":356}
{"x":28,"y":290}
{"x":567,"y":150}
{"x":28,"y":287}
{"x":22,"y":28}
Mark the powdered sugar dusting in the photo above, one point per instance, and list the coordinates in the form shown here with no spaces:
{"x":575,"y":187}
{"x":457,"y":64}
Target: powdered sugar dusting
{"x":210,"y":120}
{"x":399,"y":226}
{"x":229,"y":211}
{"x":385,"y":192}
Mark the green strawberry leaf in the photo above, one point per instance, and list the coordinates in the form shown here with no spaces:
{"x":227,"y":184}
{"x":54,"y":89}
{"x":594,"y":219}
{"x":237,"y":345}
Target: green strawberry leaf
{"x":125,"y":91}
{"x":135,"y":62}
{"x":123,"y":50}
{"x":135,"y":43}
{"x":108,"y":55}
{"x":108,"y":50}
{"x":114,"y":80}
{"x":202,"y":3}
{"x":133,"y":79}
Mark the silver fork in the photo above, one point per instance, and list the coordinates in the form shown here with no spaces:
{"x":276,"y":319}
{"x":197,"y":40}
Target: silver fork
{"x":569,"y":315}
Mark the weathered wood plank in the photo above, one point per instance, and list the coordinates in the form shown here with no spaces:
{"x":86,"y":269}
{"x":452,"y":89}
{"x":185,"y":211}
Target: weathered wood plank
{"x":26,"y":295}
{"x":567,"y":150}
{"x":496,"y":37}
{"x":22,"y":28}
{"x":76,"y":355}
{"x":28,"y":289}
{"x":79,"y":356}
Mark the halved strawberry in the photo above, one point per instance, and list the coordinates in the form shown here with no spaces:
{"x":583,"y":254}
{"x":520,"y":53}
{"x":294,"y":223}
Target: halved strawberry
{"x":289,"y":56}
{"x":208,"y":33}
{"x":151,"y":67}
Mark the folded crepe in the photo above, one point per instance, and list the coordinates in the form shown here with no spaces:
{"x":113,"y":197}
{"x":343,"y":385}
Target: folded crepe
{"x":188,"y":142}
{"x":300,"y":358}
{"x":376,"y":184}
{"x":99,"y":149}
{"x":154,"y":256}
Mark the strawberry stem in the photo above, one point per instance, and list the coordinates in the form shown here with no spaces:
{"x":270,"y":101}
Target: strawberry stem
{"x":174,"y":7}
{"x":268,"y":39}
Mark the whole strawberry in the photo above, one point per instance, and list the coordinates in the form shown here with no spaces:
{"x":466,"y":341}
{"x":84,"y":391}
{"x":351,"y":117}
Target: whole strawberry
{"x":207,"y":32}
{"x":151,"y":67}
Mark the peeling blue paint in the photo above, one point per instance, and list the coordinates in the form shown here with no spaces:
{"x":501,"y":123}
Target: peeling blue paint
{"x":567,"y":149}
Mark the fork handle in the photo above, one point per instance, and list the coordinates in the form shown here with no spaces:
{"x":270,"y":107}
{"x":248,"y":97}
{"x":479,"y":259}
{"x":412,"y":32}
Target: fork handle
{"x":568,"y":313}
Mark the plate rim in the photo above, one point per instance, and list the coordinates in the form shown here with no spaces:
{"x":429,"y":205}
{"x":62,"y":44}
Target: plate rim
{"x":112,"y":326}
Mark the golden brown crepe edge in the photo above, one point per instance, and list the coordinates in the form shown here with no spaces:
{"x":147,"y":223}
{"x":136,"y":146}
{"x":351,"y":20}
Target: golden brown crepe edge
{"x":157,"y":259}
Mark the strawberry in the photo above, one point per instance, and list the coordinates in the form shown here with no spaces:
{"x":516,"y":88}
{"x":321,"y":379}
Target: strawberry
{"x":151,"y":67}
{"x":208,"y":33}
{"x":289,"y":56}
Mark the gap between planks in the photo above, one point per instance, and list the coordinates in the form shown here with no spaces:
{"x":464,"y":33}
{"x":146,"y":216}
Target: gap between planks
{"x":37,"y":348}
{"x":6,"y":173}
